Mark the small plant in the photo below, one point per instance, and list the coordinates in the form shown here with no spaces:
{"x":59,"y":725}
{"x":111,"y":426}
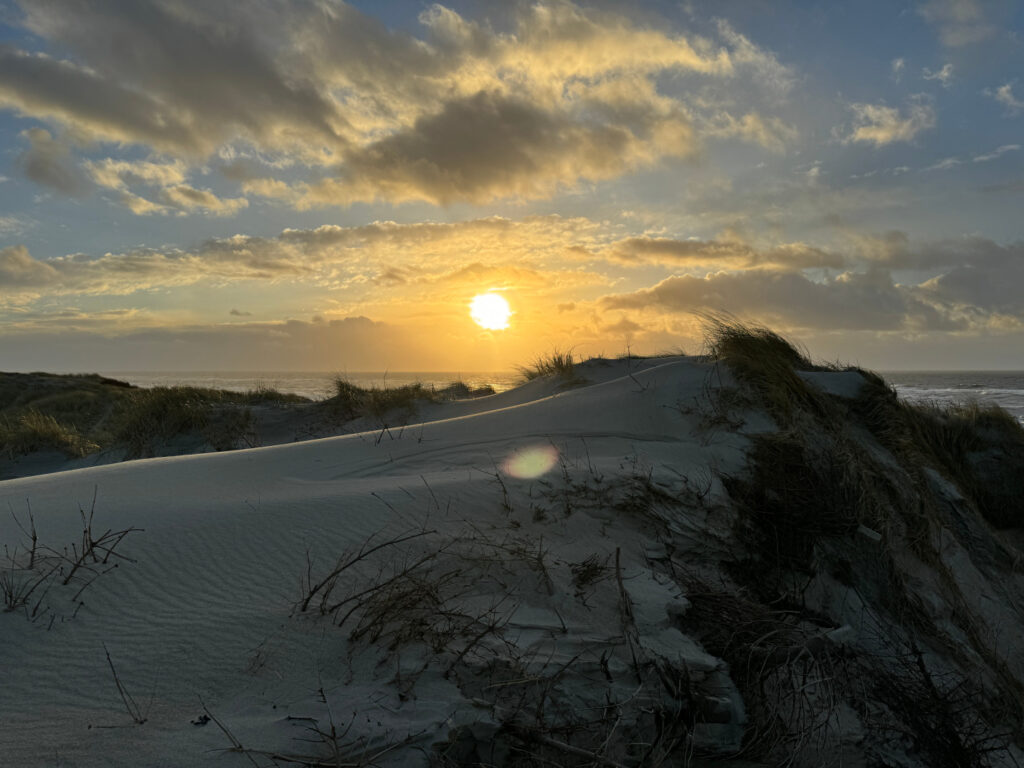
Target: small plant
{"x":88,"y":551}
{"x":133,"y":709}
{"x":31,"y":572}
{"x":587,"y":573}
{"x":333,"y":746}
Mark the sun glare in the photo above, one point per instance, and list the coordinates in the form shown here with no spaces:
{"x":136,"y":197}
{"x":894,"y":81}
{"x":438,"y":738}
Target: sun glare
{"x":490,"y":311}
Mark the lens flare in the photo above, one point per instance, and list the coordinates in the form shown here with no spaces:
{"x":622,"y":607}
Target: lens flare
{"x":490,"y":311}
{"x":531,"y":462}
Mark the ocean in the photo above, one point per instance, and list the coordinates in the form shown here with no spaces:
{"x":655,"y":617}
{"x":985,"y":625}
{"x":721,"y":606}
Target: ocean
{"x":1004,"y":388}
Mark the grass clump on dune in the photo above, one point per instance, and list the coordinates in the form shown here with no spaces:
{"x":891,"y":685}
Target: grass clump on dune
{"x":160,"y":413}
{"x":765,"y":361}
{"x":460,"y":390}
{"x":980,"y":448}
{"x":557,"y":364}
{"x":260,"y":395}
{"x":33,"y":431}
{"x":350,"y":401}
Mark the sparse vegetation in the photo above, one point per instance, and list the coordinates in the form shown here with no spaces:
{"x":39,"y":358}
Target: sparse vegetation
{"x":556,"y":364}
{"x":29,"y":572}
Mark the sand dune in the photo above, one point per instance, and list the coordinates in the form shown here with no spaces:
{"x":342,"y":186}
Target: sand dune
{"x":502,"y":616}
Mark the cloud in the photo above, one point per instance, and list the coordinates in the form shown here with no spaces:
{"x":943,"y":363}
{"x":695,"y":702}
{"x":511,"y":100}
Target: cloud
{"x":944,"y":75}
{"x":239,"y":313}
{"x":329,"y":255}
{"x":120,"y":174}
{"x":40,"y":86}
{"x":148,"y":76}
{"x":879,"y":124}
{"x":960,"y":22}
{"x":998,"y":152}
{"x":985,"y":280}
{"x":563,"y":94}
{"x":770,"y":133}
{"x":339,"y":343}
{"x":19,"y":270}
{"x":489,"y":146}
{"x":768,"y":70}
{"x":48,"y":161}
{"x":967,"y":283}
{"x":1004,"y":95}
{"x":186,"y":199}
{"x":945,"y":164}
{"x":897,"y":68}
{"x":707,"y":253}
{"x":851,"y":301}
{"x":1009,"y":186}
{"x":977,"y":255}
{"x":15,"y":225}
{"x":140,"y":206}
{"x":167,"y":179}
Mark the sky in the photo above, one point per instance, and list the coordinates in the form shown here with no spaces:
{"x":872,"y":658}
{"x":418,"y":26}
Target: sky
{"x":318,"y":185}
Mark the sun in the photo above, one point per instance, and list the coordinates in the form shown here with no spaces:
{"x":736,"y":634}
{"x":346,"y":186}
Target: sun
{"x":490,"y":311}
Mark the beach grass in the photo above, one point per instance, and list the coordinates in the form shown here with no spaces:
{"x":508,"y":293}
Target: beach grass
{"x":33,"y":431}
{"x":556,"y":363}
{"x":351,"y":401}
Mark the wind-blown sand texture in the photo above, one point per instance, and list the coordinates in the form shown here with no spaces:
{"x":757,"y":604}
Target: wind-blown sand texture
{"x":593,"y":614}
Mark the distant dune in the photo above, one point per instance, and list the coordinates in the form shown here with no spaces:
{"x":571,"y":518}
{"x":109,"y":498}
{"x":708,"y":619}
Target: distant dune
{"x":51,"y":422}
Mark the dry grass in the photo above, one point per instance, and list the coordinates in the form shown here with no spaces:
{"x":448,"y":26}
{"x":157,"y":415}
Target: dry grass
{"x":764,"y":361}
{"x":556,"y":364}
{"x":393,"y":404}
{"x":980,"y":448}
{"x":351,"y":401}
{"x":33,"y":431}
{"x":159,"y":414}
